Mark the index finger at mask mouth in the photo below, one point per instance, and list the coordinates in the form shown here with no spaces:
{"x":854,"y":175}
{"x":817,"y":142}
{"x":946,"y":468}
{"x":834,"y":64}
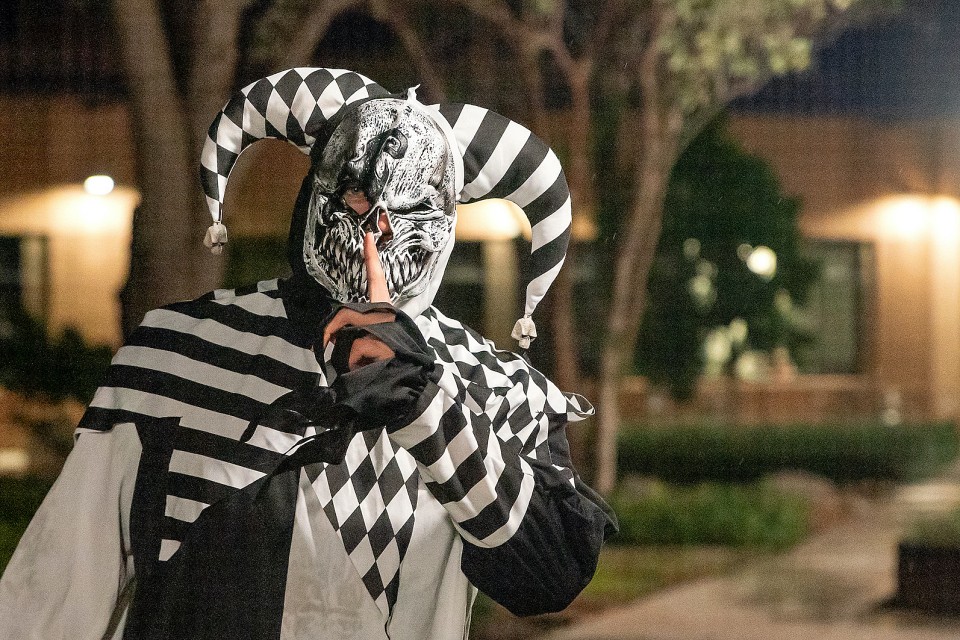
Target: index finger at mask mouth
{"x":377,"y":290}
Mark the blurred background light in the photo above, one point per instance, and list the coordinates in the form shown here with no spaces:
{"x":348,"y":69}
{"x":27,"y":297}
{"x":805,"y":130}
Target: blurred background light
{"x":14,"y":461}
{"x":945,"y":217}
{"x":492,"y":219}
{"x":99,"y":185}
{"x":752,"y":365}
{"x":738,"y":331}
{"x":718,"y":349}
{"x":700,"y":287}
{"x":69,"y":209}
{"x":763,"y":262}
{"x":905,"y":217}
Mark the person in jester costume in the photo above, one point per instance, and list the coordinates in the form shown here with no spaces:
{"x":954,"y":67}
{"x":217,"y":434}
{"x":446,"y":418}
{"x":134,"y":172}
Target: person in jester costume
{"x":326,"y":455}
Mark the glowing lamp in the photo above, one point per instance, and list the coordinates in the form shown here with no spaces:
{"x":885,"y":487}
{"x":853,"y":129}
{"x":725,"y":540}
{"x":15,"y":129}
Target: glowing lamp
{"x":906,"y":217}
{"x":492,"y":219}
{"x":99,"y":185}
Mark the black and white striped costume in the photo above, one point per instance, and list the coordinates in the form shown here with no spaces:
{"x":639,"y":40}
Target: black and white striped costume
{"x":234,"y":533}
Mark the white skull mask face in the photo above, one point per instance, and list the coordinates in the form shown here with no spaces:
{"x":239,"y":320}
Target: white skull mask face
{"x":393,"y":158}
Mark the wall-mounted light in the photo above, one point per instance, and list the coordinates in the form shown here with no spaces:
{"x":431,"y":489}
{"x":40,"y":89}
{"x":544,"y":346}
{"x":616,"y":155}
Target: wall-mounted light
{"x":945,"y":217}
{"x":916,"y":217}
{"x":492,"y":219}
{"x":905,"y":217}
{"x":14,"y":461}
{"x":99,"y":185}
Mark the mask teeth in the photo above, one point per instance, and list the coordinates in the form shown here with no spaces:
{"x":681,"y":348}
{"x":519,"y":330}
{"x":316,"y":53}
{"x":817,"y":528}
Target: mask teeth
{"x":339,"y":255}
{"x":396,"y":276}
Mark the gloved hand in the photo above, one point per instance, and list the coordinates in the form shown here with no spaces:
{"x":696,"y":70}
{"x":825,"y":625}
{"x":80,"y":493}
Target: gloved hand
{"x":382,"y":364}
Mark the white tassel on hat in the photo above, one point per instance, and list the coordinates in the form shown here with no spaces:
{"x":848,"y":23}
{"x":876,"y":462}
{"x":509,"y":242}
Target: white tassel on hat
{"x":216,"y":237}
{"x":524,"y":331}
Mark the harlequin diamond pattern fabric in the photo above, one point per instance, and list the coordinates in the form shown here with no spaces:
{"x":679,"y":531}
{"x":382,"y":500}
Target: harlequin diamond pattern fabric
{"x":370,"y":501}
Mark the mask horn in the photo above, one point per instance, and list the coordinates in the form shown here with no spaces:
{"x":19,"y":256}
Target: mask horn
{"x":502,"y":159}
{"x":291,"y":105}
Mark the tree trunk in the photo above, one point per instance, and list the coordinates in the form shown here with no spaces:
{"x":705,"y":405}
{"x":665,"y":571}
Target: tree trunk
{"x":578,"y":172}
{"x":163,"y":244}
{"x":579,"y":177}
{"x":634,"y":257}
{"x":627,"y":306}
{"x":212,"y":79}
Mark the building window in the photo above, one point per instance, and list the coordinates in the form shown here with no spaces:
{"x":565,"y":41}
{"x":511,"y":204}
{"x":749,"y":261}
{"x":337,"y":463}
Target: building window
{"x":836,"y":311}
{"x":23,"y":274}
{"x":10,"y":286}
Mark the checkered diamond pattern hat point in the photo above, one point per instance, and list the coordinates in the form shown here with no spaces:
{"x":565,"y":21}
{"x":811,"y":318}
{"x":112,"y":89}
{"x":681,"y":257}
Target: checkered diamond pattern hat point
{"x":500,"y":158}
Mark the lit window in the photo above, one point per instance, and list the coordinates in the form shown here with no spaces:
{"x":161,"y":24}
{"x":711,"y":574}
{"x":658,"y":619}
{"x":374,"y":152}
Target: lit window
{"x":836,"y":310}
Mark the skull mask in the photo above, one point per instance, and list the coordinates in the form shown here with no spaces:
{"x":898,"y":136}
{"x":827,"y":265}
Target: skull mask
{"x":392,"y":158}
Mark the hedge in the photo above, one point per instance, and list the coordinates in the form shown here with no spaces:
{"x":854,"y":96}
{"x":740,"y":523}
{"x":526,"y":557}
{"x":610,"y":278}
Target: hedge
{"x":843,"y":453}
{"x":756,"y":516}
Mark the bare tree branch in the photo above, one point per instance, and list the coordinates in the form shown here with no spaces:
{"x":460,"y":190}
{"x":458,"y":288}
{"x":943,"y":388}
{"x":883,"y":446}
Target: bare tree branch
{"x":215,"y":32}
{"x":610,"y":12}
{"x":499,"y":15}
{"x":396,"y":15}
{"x":537,"y":95}
{"x":314,"y":26}
{"x":556,"y":21}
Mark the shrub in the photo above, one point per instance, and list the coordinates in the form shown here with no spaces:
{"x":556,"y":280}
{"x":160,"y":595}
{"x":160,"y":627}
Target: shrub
{"x":843,"y":453}
{"x":754,"y":516}
{"x":936,"y":531}
{"x":37,"y":364}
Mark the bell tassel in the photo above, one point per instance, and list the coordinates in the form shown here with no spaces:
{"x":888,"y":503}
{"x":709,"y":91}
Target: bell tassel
{"x":216,"y":237}
{"x":524,"y":331}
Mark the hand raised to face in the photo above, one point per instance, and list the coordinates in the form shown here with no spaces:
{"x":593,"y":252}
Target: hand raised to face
{"x":366,"y":349}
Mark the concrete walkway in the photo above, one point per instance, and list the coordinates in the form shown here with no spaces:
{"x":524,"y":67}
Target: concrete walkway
{"x":830,"y":588}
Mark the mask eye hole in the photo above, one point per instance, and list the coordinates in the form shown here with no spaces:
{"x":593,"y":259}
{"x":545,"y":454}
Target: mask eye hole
{"x":355,"y":199}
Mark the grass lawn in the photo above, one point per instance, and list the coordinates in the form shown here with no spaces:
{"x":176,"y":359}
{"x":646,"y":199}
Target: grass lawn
{"x":627,"y":573}
{"x":623,"y":575}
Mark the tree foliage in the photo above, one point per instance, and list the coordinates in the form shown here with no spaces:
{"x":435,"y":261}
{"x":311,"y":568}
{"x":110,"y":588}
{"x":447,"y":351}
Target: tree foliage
{"x":721,"y":204}
{"x":684,"y":60}
{"x":712,"y":48}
